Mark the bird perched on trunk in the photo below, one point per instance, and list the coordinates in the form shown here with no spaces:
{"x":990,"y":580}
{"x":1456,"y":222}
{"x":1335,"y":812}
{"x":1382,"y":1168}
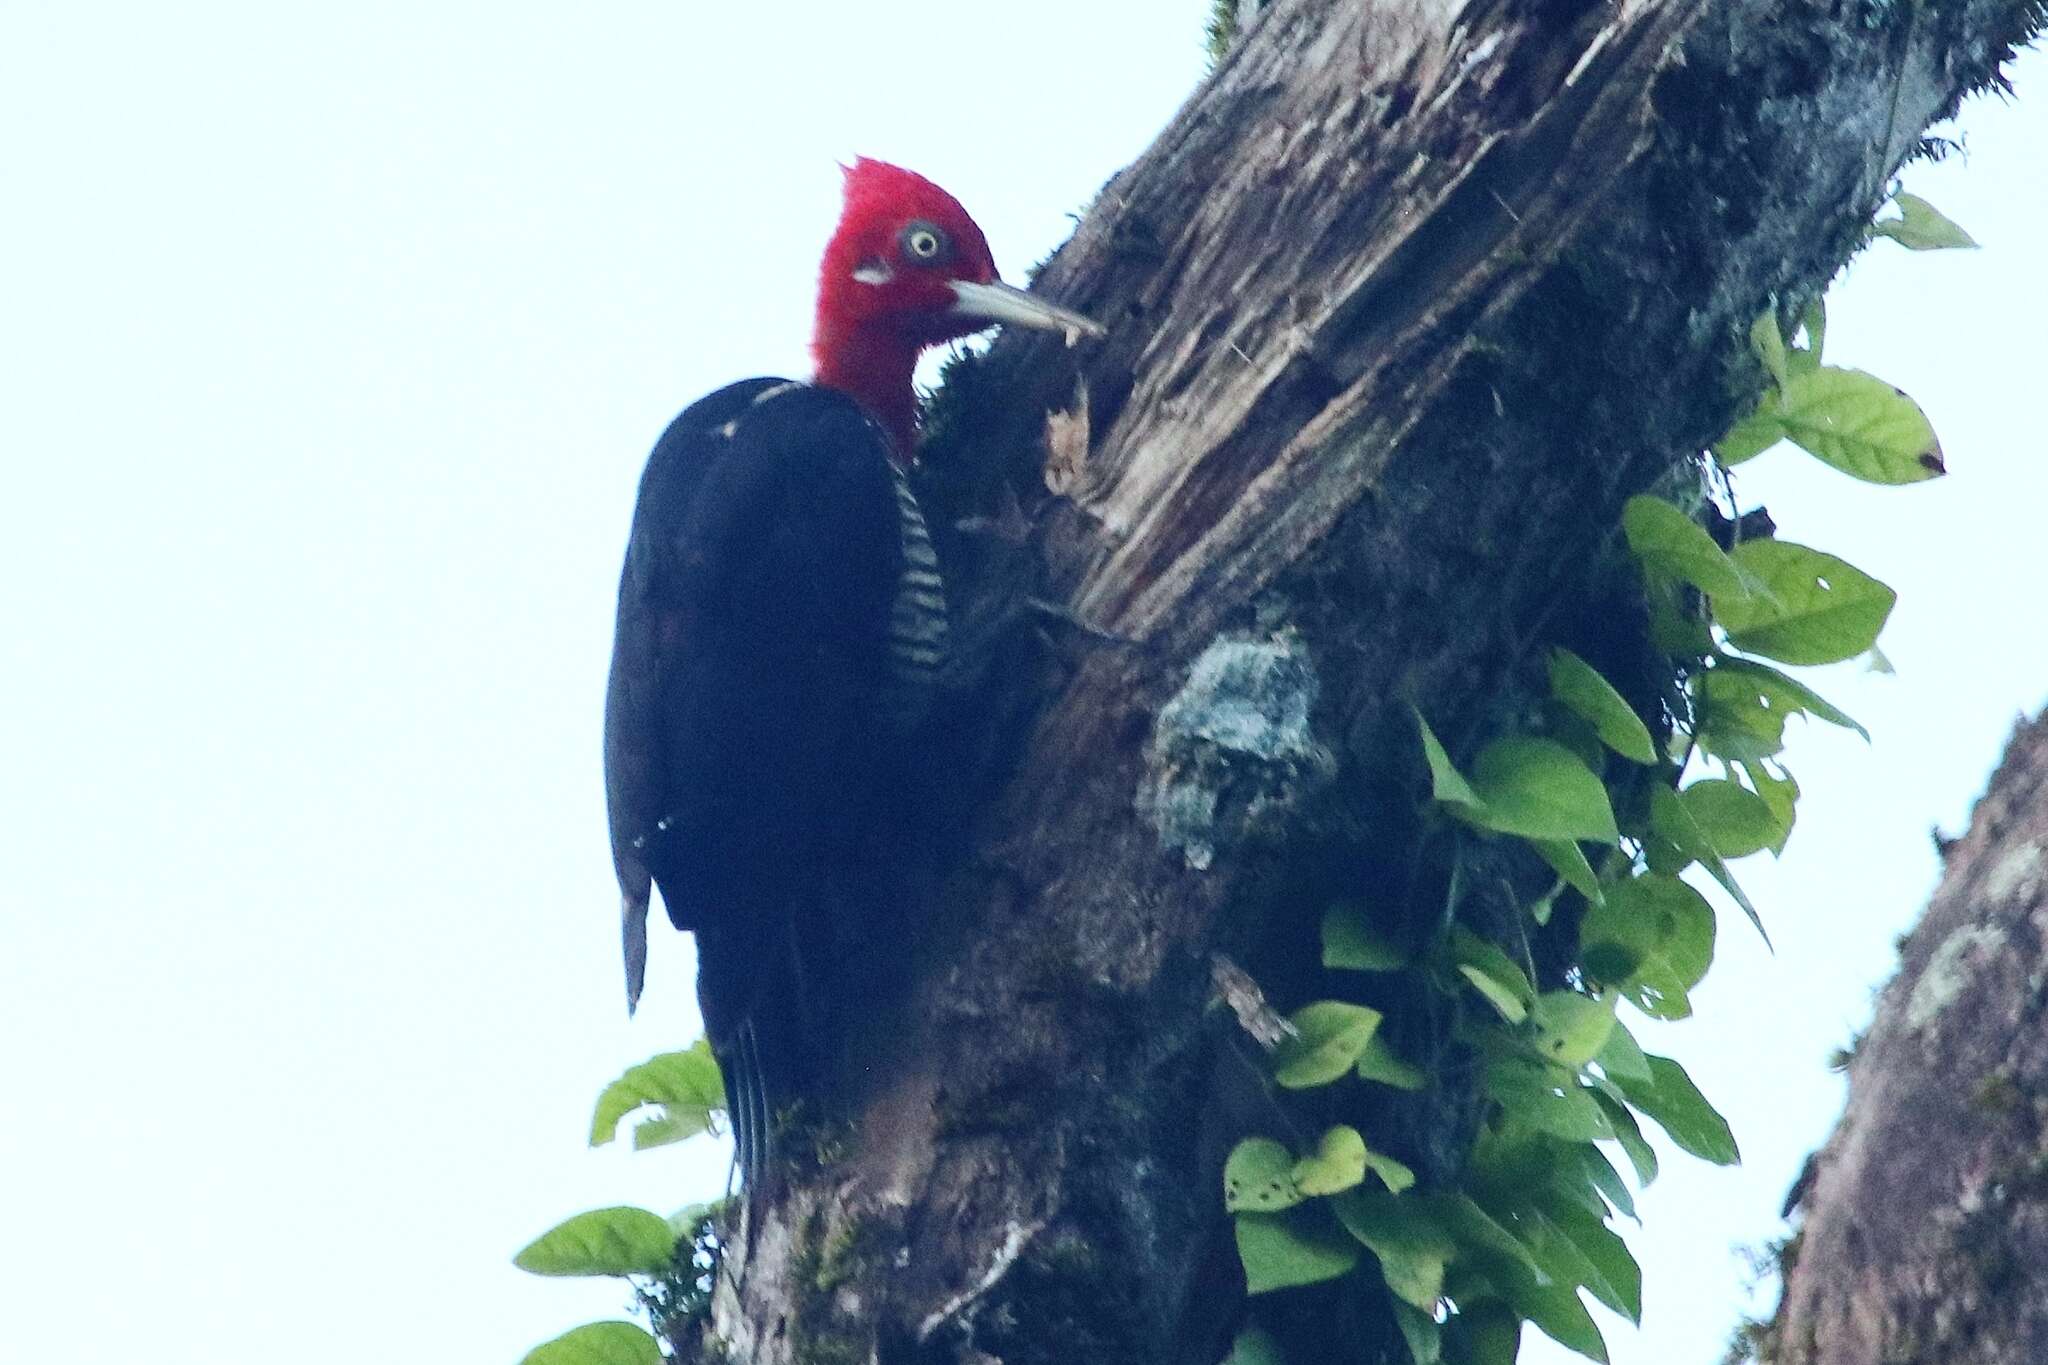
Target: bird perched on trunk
{"x":781,"y":623}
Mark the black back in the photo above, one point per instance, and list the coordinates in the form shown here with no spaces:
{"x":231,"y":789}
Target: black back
{"x":741,"y":742}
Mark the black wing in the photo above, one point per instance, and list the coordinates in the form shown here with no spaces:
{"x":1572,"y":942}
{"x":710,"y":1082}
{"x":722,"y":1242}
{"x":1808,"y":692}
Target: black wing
{"x":752,"y":627}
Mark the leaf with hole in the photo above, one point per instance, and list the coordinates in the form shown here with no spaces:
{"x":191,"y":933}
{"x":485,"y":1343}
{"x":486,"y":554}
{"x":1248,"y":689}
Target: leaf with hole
{"x":1532,"y":1099}
{"x":1571,"y":1028}
{"x":1579,"y":686}
{"x":599,"y":1343}
{"x":1813,"y":608}
{"x":1328,"y":1038}
{"x":1652,"y":940}
{"x":1259,"y":1177}
{"x":1868,"y":429}
{"x":614,"y":1241}
{"x":1747,"y":683}
{"x":1284,"y":1250}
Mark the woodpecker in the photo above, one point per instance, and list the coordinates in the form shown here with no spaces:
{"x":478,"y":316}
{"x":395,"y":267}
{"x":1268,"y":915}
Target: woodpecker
{"x":781,"y":624}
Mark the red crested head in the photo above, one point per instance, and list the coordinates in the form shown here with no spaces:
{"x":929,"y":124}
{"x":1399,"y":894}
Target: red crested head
{"x":906,"y":269}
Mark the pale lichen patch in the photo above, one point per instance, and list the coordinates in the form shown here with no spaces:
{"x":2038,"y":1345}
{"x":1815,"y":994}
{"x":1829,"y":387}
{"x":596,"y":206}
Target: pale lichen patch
{"x":1235,"y":748}
{"x":1948,"y":973}
{"x":2016,"y":876}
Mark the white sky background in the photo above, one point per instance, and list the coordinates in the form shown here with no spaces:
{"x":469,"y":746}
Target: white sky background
{"x":331,"y":343}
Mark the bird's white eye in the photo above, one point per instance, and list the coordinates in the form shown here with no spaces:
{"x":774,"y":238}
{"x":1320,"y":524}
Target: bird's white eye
{"x":923,"y":244}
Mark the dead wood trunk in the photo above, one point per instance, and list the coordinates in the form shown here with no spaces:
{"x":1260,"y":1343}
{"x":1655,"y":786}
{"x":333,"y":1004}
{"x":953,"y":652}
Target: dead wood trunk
{"x":1405,"y":303}
{"x":1926,"y":1214}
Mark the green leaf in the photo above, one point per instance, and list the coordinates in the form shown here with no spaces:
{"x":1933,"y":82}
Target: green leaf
{"x":1486,"y":1333}
{"x":685,"y":1083}
{"x":1683,"y":1112}
{"x":1395,"y":1176}
{"x":1569,"y":862}
{"x":1493,"y":974}
{"x":1868,"y":429}
{"x":1259,"y":1178}
{"x":1532,"y":1099}
{"x":1476,"y":1231}
{"x":1922,"y":227}
{"x":1572,"y":1028}
{"x":1618,"y":1278}
{"x":1594,"y":1167}
{"x":1622,"y":1056}
{"x":1579,"y":686}
{"x":661,"y":1132}
{"x":615,"y":1241}
{"x":1337,"y":1164}
{"x":1653,"y":941}
{"x":1558,"y":1314}
{"x":1255,"y":1346}
{"x":1672,"y":543}
{"x":1629,"y":1134}
{"x":1735,"y":820}
{"x":1769,"y":344}
{"x":1759,"y":685}
{"x":1539,"y":790}
{"x":1411,"y":1248}
{"x":1815,"y":608}
{"x":1283,"y":1250}
{"x":1378,"y":1063}
{"x":1672,"y":819}
{"x":1421,"y":1333}
{"x":1753,"y":435}
{"x":1447,"y":785}
{"x":1328,"y":1039}
{"x":1814,"y":322}
{"x":1781,"y":793}
{"x":599,"y":1343}
{"x":1350,"y":943}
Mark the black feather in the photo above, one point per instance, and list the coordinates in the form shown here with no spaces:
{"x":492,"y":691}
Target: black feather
{"x":746,"y":750}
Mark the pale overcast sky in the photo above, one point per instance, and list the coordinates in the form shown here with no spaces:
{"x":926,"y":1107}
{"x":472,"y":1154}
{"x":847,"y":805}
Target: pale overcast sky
{"x":332,"y":340}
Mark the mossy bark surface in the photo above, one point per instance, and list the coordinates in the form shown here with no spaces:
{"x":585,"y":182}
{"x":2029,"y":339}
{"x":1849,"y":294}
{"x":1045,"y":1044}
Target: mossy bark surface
{"x":1404,"y":305}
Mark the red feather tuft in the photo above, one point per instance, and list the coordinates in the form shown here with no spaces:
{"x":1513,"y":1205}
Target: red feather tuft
{"x":877,"y":310}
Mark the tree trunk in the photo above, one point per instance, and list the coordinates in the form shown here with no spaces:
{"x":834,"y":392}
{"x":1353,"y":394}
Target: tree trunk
{"x":1404,"y":304}
{"x":1926,"y":1223}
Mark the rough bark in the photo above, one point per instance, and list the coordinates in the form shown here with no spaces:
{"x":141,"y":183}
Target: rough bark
{"x":1925,"y":1235}
{"x":1404,"y":304}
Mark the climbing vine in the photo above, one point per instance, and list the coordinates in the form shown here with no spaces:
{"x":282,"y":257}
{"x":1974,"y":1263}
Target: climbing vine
{"x":1628,"y":812}
{"x":669,"y":1262}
